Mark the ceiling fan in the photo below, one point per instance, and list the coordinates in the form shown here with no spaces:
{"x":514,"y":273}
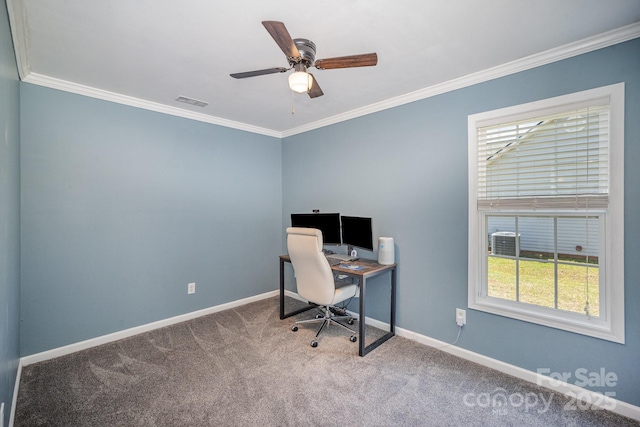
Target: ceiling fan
{"x":301,"y":55}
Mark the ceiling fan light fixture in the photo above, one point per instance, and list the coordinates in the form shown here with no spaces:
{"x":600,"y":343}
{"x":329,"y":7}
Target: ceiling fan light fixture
{"x":300,"y":81}
{"x":301,"y":54}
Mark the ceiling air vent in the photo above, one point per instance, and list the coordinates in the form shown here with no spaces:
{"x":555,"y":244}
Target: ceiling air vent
{"x":192,"y":101}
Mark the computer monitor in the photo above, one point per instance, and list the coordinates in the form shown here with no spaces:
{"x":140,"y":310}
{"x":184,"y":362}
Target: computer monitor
{"x":328,"y":223}
{"x":357,"y":231}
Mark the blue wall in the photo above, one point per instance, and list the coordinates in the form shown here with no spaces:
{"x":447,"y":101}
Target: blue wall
{"x":9,"y":213}
{"x":122,"y":207}
{"x":407,"y":168}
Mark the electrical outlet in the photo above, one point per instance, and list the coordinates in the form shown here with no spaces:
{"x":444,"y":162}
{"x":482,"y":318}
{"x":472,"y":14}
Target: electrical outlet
{"x":461,"y":317}
{"x":191,"y":288}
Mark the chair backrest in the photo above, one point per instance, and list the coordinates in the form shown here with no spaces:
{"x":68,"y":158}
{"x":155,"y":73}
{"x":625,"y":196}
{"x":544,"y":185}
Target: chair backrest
{"x":314,"y":277}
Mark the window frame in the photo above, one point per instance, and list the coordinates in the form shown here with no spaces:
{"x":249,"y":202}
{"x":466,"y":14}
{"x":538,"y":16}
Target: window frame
{"x":610,"y":324}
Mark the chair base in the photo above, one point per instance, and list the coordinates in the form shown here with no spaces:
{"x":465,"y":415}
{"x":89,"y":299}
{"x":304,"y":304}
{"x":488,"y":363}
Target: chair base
{"x":328,"y":317}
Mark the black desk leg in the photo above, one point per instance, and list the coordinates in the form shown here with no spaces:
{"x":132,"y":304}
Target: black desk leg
{"x":366,"y":349}
{"x":281,"y":289}
{"x":393,"y":301}
{"x":361,"y":314}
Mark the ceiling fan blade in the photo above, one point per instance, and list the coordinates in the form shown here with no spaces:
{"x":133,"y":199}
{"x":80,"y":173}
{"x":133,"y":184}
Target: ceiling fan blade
{"x":258,"y":73}
{"x":364,"y":60}
{"x":315,"y":90}
{"x":281,"y":36}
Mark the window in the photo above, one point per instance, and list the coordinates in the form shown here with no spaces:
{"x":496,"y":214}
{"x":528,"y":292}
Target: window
{"x":546,"y":212}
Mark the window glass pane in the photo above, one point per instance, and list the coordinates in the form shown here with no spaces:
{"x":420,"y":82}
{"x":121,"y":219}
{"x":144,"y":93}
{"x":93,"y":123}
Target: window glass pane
{"x":501,"y":235}
{"x":537,"y":240}
{"x":578,"y":239}
{"x":574,"y":282}
{"x":501,"y":272}
{"x":501,"y":281}
{"x":537,"y":283}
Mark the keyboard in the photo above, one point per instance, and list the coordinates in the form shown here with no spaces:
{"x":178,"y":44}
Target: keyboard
{"x":340,"y":257}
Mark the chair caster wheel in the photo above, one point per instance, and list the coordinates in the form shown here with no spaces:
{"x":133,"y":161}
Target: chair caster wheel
{"x":319,"y":316}
{"x":353,"y":338}
{"x":314,"y":343}
{"x":294,"y":328}
{"x":351,"y":321}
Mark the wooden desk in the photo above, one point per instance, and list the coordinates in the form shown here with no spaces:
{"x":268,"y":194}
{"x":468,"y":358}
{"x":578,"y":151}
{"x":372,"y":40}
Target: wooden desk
{"x":371,"y":269}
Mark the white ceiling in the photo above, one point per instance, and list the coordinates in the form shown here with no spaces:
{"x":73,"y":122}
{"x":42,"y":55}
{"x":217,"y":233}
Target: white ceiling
{"x":148,"y":52}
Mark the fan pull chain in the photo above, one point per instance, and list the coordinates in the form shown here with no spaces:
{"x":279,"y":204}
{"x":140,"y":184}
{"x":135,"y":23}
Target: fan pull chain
{"x":293,"y":111}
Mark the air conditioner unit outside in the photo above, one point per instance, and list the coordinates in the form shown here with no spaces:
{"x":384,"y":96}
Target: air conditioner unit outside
{"x":505,"y":243}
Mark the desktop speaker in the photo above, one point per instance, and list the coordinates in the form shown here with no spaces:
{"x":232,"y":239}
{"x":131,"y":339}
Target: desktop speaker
{"x":386,"y":251}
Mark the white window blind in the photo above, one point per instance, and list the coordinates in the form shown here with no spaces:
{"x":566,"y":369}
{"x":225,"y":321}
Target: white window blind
{"x":553,"y":160}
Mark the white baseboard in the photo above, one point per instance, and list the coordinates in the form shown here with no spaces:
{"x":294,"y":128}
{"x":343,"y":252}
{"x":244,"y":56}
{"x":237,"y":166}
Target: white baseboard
{"x":579,"y":393}
{"x":93,"y":342}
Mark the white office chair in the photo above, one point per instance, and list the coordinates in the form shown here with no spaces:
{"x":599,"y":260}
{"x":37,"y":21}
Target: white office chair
{"x":314,"y":279}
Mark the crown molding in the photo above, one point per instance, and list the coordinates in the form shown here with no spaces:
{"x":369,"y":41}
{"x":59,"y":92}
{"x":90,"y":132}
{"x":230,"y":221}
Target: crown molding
{"x":590,"y":44}
{"x":92,"y":92}
{"x":20,"y":34}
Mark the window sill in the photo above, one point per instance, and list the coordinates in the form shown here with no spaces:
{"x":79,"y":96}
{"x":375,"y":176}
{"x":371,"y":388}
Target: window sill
{"x":571,"y":322}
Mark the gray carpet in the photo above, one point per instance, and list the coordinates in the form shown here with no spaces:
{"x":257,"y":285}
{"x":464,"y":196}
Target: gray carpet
{"x":245,"y":367}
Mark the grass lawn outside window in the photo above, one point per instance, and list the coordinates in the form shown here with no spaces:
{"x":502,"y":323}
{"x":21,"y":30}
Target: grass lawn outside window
{"x":535,"y":284}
